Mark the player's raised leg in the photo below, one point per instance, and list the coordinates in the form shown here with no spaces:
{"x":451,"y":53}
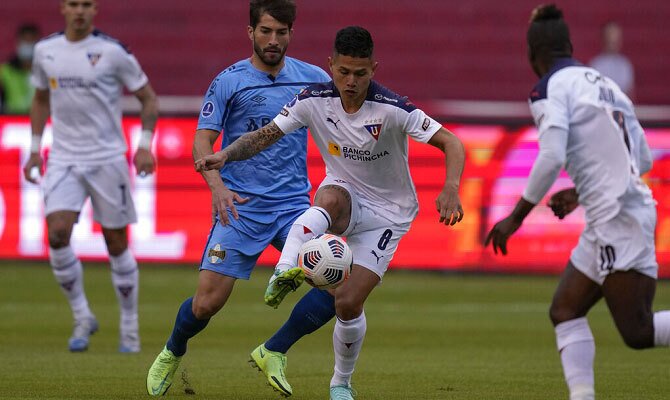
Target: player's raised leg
{"x":69,"y":274}
{"x":287,"y":276}
{"x":574,"y":297}
{"x":629,"y":296}
{"x":332,"y":212}
{"x":125,"y":278}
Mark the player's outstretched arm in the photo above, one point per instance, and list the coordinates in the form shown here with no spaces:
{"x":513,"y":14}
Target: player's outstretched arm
{"x":143,"y":160}
{"x":39,"y":114}
{"x":222,"y":197}
{"x":245,"y":147}
{"x":448,"y":202}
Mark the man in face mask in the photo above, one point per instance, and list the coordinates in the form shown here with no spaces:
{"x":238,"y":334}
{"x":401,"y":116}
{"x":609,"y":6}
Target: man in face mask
{"x":16,"y":93}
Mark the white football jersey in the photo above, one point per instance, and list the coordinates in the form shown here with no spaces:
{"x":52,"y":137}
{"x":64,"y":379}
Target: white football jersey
{"x":368,"y":149}
{"x":85,"y":80}
{"x":605,"y":139}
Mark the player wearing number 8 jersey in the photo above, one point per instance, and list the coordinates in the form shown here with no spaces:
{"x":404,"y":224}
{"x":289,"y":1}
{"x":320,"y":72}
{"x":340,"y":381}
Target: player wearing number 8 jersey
{"x":587,"y":124}
{"x":361,"y":130}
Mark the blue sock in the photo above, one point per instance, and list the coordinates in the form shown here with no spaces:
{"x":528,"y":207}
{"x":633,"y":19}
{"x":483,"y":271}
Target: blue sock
{"x":185,"y":327}
{"x":313,"y":311}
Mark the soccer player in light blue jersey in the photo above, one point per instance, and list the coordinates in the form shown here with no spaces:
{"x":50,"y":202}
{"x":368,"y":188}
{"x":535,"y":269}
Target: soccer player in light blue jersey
{"x":269,"y":192}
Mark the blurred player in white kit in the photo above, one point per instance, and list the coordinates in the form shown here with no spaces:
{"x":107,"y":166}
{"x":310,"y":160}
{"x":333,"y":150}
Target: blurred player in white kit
{"x":79,"y":75}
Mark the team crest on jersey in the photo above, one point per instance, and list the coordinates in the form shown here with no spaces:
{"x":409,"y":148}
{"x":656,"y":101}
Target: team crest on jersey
{"x":93,"y":58}
{"x":216,"y":254}
{"x":334,"y":149}
{"x":374,"y":130}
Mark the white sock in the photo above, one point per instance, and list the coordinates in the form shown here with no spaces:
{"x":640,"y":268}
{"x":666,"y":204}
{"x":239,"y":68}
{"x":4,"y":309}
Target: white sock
{"x":347,"y":342}
{"x":662,"y":328}
{"x":577,"y":349}
{"x":313,"y":222}
{"x":125,"y":278}
{"x":69,"y":274}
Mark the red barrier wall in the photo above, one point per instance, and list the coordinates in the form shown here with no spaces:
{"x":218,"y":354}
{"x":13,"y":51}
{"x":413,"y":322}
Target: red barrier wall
{"x":174,"y":204}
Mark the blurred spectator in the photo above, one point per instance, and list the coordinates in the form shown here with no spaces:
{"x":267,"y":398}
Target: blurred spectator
{"x":16,"y":93}
{"x":611,"y":63}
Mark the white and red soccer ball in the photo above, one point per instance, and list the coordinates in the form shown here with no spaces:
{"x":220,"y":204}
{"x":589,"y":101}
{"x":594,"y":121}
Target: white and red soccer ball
{"x":326,"y":261}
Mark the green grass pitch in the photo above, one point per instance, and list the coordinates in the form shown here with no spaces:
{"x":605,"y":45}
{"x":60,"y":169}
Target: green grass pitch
{"x":430,"y":336}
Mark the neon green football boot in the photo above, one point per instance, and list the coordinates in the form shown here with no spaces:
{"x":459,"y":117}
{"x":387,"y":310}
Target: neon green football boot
{"x":281,"y":283}
{"x":273,"y":365}
{"x":162,"y":372}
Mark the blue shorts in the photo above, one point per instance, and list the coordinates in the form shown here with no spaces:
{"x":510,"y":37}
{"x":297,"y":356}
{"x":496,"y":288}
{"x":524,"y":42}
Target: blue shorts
{"x":232,"y":250}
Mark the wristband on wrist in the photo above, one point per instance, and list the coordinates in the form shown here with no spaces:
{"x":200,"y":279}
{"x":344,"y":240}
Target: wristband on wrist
{"x":145,"y":140}
{"x":35,"y":143}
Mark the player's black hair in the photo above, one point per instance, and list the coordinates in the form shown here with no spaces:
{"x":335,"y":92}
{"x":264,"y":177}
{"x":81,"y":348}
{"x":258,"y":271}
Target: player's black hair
{"x":354,"y":41}
{"x":282,"y":10}
{"x":27,"y":28}
{"x":548,"y":35}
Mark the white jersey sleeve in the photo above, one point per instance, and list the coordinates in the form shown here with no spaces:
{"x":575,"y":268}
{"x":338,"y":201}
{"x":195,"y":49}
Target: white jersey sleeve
{"x":418,"y":125}
{"x":38,"y":78}
{"x":293,"y":115}
{"x":129,"y":70}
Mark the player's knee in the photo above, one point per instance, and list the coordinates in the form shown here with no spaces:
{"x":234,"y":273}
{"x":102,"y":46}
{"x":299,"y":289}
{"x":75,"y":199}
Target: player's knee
{"x":116,"y":242}
{"x":333,"y":199}
{"x":638,"y":340}
{"x":638,"y":337}
{"x":59,"y":237}
{"x":558,"y":314}
{"x":205,"y":308}
{"x":347,"y":307}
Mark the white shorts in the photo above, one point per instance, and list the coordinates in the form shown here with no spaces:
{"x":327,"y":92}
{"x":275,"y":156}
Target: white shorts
{"x":373,"y":239}
{"x":66,"y":188}
{"x":626,"y":242}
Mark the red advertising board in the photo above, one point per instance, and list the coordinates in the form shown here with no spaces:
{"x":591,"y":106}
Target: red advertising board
{"x":174,"y":207}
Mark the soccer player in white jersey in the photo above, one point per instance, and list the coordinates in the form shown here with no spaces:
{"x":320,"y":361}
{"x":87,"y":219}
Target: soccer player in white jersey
{"x":587,"y":124}
{"x":79,"y":76}
{"x":361,"y":129}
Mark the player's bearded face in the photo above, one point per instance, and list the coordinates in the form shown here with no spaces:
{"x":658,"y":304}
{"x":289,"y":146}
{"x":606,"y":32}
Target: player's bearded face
{"x":271,"y":39}
{"x":271,"y":54}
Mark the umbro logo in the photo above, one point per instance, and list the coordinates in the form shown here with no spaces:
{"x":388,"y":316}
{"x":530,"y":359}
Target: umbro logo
{"x":258,"y":99}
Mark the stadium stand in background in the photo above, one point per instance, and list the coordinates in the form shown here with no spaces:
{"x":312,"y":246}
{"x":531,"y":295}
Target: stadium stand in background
{"x":471,"y":49}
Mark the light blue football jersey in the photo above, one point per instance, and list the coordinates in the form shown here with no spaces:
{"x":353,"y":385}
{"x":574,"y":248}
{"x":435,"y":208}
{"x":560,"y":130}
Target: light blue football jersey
{"x":242,"y":99}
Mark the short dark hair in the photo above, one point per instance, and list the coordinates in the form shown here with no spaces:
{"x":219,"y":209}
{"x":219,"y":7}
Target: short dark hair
{"x":354,"y":41}
{"x":28,"y":28}
{"x":548,"y":34}
{"x":283,"y":11}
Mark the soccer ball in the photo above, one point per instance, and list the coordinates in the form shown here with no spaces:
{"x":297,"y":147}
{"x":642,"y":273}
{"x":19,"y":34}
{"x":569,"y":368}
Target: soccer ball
{"x":326,"y":261}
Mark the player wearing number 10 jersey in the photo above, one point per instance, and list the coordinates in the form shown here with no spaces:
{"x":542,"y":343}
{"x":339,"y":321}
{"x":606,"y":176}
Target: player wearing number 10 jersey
{"x":587,"y":124}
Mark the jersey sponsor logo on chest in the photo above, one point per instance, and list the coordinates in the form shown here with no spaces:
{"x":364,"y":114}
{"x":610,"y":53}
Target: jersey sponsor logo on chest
{"x":355,"y":154}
